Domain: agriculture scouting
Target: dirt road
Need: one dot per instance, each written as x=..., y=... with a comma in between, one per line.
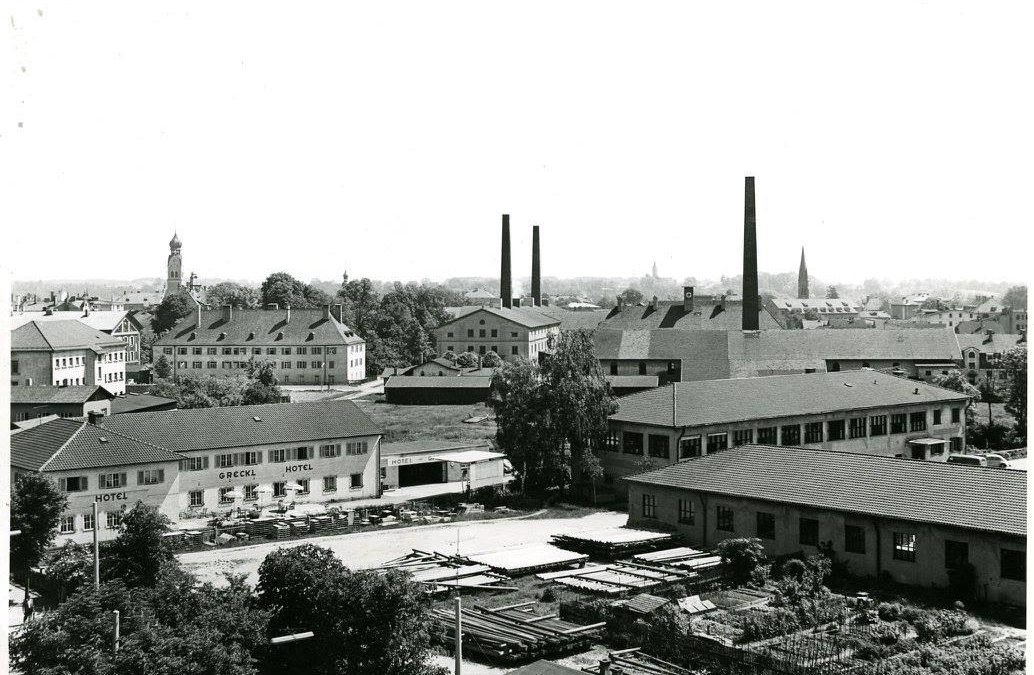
x=370, y=549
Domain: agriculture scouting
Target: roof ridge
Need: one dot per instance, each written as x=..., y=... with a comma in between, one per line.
x=82, y=425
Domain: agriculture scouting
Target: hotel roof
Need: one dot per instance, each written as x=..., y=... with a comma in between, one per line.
x=247, y=425
x=259, y=328
x=756, y=398
x=61, y=334
x=70, y=444
x=974, y=498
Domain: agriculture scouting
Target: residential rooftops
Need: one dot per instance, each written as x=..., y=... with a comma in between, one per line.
x=103, y=320
x=754, y=398
x=974, y=498
x=248, y=425
x=47, y=336
x=70, y=444
x=49, y=395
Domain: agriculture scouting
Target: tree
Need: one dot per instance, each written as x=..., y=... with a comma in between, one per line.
x=467, y=360
x=955, y=381
x=162, y=368
x=170, y=310
x=449, y=356
x=263, y=386
x=139, y=553
x=286, y=291
x=831, y=293
x=36, y=508
x=232, y=293
x=208, y=391
x=491, y=360
x=1015, y=297
x=516, y=398
x=740, y=557
x=1014, y=364
x=68, y=568
x=630, y=296
x=289, y=580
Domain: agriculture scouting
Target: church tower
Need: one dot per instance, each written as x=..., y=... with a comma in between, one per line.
x=174, y=277
x=802, y=279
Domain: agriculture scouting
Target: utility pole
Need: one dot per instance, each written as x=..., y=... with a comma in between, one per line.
x=96, y=551
x=459, y=637
x=118, y=626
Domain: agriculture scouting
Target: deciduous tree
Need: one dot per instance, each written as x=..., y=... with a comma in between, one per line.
x=36, y=508
x=140, y=551
x=232, y=293
x=170, y=310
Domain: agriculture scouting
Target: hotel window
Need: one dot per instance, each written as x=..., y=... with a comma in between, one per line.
x=956, y=415
x=224, y=461
x=224, y=495
x=905, y=546
x=658, y=446
x=856, y=428
x=315, y=365
x=250, y=458
x=808, y=535
x=1014, y=564
x=114, y=519
x=687, y=512
x=88, y=522
x=285, y=364
x=765, y=525
x=330, y=450
x=897, y=423
x=357, y=448
x=742, y=437
x=791, y=434
x=150, y=477
x=649, y=506
x=632, y=443
x=937, y=416
x=956, y=554
x=251, y=493
x=330, y=483
x=303, y=484
x=73, y=484
x=256, y=350
x=717, y=442
x=355, y=481
x=470, y=332
x=167, y=350
x=768, y=435
x=197, y=498
x=67, y=525
x=280, y=489
x=111, y=481
x=917, y=421
x=878, y=425
x=724, y=520
x=317, y=350
x=854, y=539
x=611, y=442
x=835, y=430
x=304, y=452
x=196, y=351
x=689, y=447
x=813, y=432
x=195, y=463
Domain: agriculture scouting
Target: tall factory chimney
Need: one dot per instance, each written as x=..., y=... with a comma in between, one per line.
x=505, y=287
x=750, y=258
x=536, y=269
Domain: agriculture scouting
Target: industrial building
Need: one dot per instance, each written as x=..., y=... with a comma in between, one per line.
x=470, y=464
x=914, y=522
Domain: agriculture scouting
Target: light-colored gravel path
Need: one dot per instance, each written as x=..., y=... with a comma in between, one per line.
x=369, y=549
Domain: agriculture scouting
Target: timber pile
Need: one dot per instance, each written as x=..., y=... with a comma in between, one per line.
x=613, y=541
x=514, y=633
x=616, y=578
x=635, y=662
x=438, y=573
x=703, y=563
x=528, y=559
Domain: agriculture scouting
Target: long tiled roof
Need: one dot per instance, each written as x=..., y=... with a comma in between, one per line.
x=74, y=394
x=131, y=403
x=61, y=334
x=671, y=314
x=996, y=344
x=975, y=498
x=69, y=444
x=434, y=382
x=429, y=445
x=248, y=425
x=102, y=320
x=703, y=354
x=260, y=327
x=754, y=398
x=529, y=317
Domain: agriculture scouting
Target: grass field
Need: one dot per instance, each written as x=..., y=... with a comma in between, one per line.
x=422, y=422
x=997, y=410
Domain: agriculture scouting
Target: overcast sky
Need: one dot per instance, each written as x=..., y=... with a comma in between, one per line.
x=892, y=140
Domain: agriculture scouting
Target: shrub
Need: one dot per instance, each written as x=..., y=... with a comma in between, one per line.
x=549, y=594
x=763, y=625
x=928, y=629
x=887, y=633
x=740, y=558
x=889, y=611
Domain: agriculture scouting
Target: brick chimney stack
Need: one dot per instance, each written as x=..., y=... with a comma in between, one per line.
x=505, y=287
x=750, y=258
x=536, y=270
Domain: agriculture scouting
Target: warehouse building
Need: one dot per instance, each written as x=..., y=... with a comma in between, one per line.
x=858, y=411
x=412, y=463
x=28, y=403
x=915, y=522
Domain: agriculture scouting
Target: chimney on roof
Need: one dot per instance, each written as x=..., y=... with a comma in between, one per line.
x=227, y=313
x=199, y=317
x=287, y=318
x=687, y=299
x=338, y=311
x=326, y=312
x=505, y=287
x=516, y=302
x=653, y=303
x=536, y=271
x=620, y=302
x=95, y=417
x=750, y=258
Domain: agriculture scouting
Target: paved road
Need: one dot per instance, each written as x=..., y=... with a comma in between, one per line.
x=372, y=548
x=1020, y=463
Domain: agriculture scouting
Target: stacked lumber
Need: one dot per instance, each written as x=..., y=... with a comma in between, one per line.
x=528, y=559
x=514, y=633
x=635, y=662
x=682, y=557
x=438, y=573
x=613, y=541
x=616, y=578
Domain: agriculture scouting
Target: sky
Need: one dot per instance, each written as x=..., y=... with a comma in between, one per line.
x=891, y=140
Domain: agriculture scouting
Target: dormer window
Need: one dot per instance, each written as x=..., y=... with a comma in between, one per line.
x=222, y=336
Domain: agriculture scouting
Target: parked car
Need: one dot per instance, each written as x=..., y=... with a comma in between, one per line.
x=991, y=460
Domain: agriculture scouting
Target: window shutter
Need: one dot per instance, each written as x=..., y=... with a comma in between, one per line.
x=61, y=484
x=85, y=483
x=271, y=456
x=205, y=463
x=100, y=480
x=139, y=477
x=124, y=482
x=161, y=475
x=258, y=457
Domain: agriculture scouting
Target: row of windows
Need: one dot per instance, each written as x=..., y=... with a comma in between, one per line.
x=514, y=350
x=231, y=365
x=111, y=481
x=956, y=553
x=244, y=351
x=250, y=493
x=67, y=524
x=276, y=456
x=482, y=333
x=814, y=432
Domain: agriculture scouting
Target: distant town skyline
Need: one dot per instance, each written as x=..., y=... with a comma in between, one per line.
x=894, y=149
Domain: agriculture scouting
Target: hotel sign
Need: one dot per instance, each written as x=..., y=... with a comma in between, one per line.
x=401, y=460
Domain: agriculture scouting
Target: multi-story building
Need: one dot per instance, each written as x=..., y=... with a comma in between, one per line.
x=856, y=411
x=66, y=353
x=982, y=354
x=508, y=331
x=116, y=323
x=306, y=346
x=791, y=312
x=693, y=312
x=30, y=403
x=914, y=522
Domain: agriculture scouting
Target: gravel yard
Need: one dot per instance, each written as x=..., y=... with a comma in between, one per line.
x=370, y=549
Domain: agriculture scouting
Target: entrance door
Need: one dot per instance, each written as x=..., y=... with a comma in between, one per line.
x=918, y=452
x=421, y=474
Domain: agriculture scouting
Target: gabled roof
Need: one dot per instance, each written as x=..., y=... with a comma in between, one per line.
x=247, y=425
x=757, y=398
x=430, y=382
x=997, y=343
x=523, y=316
x=259, y=328
x=571, y=319
x=131, y=403
x=709, y=313
x=102, y=320
x=974, y=498
x=701, y=354
x=60, y=334
x=70, y=444
x=44, y=395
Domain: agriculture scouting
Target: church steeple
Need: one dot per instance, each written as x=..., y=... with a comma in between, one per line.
x=174, y=267
x=802, y=279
